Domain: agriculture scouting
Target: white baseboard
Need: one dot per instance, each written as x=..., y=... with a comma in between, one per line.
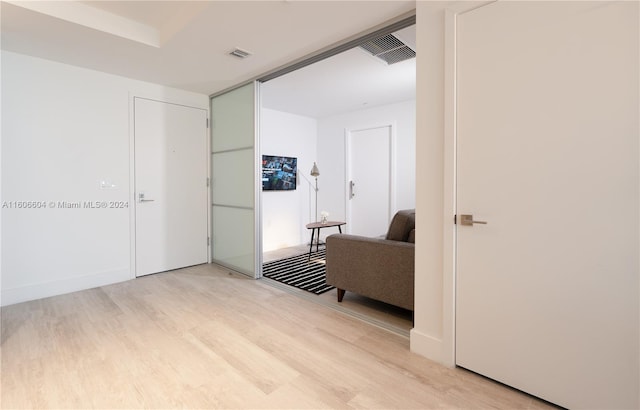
x=60, y=287
x=428, y=346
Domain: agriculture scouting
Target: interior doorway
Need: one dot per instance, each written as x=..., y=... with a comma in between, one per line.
x=307, y=115
x=351, y=91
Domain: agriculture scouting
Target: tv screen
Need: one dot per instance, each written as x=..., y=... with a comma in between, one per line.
x=279, y=173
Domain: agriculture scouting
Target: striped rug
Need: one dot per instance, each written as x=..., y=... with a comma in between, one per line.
x=298, y=271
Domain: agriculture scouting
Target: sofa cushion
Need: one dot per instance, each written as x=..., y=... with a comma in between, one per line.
x=401, y=225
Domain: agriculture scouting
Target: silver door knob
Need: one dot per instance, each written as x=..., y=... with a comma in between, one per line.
x=467, y=220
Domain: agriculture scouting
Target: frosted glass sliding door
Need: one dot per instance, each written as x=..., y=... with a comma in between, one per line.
x=234, y=160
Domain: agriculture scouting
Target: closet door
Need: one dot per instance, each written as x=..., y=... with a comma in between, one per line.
x=547, y=156
x=235, y=180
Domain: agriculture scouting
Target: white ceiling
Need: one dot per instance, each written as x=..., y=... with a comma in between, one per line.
x=346, y=82
x=185, y=44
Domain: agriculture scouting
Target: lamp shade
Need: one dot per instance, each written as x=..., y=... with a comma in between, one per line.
x=315, y=172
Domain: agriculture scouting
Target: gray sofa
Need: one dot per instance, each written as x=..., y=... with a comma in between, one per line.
x=381, y=269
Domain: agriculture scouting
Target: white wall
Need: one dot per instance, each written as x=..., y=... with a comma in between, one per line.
x=64, y=130
x=285, y=213
x=428, y=336
x=331, y=154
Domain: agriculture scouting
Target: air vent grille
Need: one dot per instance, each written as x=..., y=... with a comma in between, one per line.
x=397, y=55
x=240, y=53
x=389, y=49
x=382, y=44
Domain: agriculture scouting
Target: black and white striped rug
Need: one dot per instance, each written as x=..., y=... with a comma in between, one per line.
x=298, y=271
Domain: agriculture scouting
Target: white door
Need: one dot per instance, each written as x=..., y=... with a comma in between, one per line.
x=170, y=186
x=369, y=181
x=547, y=149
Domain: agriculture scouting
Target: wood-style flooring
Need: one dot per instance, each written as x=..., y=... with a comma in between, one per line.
x=202, y=337
x=381, y=314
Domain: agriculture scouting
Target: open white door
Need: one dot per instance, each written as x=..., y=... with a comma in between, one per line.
x=170, y=186
x=547, y=149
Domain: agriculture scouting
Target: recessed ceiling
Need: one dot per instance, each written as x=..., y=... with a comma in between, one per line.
x=163, y=16
x=186, y=44
x=158, y=14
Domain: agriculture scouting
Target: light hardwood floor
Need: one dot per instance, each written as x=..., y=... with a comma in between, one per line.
x=201, y=337
x=381, y=314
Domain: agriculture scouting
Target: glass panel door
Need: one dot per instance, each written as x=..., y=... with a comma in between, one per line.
x=235, y=180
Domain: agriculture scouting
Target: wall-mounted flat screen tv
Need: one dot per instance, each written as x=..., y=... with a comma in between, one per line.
x=279, y=173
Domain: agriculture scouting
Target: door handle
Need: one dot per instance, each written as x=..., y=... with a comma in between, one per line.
x=467, y=220
x=351, y=190
x=141, y=198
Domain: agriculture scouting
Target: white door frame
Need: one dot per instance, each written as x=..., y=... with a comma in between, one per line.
x=449, y=190
x=442, y=349
x=132, y=177
x=392, y=166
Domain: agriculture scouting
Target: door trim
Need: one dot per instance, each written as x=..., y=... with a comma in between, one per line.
x=447, y=351
x=392, y=166
x=450, y=188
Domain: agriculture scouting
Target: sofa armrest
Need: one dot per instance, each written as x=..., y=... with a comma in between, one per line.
x=377, y=268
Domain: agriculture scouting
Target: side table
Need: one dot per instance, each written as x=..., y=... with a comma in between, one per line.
x=319, y=225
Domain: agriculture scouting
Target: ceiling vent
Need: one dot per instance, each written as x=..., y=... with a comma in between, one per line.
x=389, y=49
x=240, y=53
